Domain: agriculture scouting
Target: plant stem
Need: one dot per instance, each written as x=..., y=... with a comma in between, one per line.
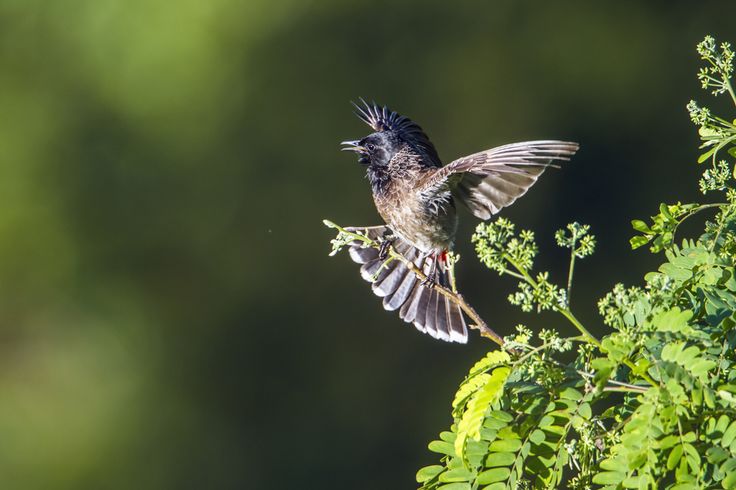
x=724, y=215
x=544, y=346
x=644, y=376
x=569, y=274
x=564, y=311
x=568, y=314
x=627, y=386
x=456, y=298
x=522, y=271
x=730, y=90
x=572, y=319
x=621, y=389
x=692, y=213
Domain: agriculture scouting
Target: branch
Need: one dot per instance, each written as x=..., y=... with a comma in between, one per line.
x=564, y=311
x=457, y=298
x=618, y=385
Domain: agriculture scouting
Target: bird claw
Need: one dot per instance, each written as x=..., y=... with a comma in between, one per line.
x=428, y=282
x=386, y=242
x=383, y=250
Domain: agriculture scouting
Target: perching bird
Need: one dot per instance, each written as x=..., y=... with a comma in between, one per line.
x=415, y=195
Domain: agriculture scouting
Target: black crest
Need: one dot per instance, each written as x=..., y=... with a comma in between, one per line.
x=384, y=119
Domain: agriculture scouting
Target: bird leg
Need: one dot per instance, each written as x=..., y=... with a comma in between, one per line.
x=431, y=278
x=386, y=240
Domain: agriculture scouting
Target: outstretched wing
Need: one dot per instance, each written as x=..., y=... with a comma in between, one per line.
x=492, y=179
x=384, y=119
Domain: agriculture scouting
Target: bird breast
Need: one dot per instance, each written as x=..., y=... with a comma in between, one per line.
x=426, y=219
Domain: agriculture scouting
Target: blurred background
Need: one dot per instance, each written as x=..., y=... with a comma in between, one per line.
x=169, y=317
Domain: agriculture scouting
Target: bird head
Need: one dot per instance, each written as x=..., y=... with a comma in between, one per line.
x=376, y=149
x=392, y=132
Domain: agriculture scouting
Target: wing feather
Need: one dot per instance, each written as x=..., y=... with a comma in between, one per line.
x=490, y=180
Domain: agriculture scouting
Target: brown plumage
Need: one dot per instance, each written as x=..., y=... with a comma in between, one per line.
x=415, y=195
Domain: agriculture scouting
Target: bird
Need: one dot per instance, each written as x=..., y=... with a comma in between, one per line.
x=416, y=195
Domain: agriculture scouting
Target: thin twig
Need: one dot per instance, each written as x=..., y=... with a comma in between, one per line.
x=457, y=298
x=564, y=311
x=693, y=212
x=571, y=268
x=621, y=386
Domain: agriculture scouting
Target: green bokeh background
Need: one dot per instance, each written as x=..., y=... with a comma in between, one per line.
x=169, y=317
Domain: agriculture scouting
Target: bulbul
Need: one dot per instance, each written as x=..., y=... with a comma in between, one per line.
x=416, y=196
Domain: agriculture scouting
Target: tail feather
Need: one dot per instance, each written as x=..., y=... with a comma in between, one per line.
x=371, y=270
x=387, y=285
x=440, y=318
x=429, y=311
x=430, y=316
x=409, y=310
x=456, y=322
x=399, y=297
x=362, y=255
x=404, y=291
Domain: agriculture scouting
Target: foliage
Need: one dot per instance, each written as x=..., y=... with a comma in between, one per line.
x=653, y=403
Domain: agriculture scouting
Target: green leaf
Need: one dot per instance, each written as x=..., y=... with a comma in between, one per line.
x=716, y=454
x=457, y=475
x=496, y=486
x=570, y=394
x=609, y=477
x=701, y=367
x=729, y=435
x=722, y=424
x=670, y=351
x=472, y=420
x=672, y=320
x=500, y=459
x=730, y=481
x=585, y=411
x=493, y=475
x=537, y=436
x=664, y=209
x=505, y=445
x=675, y=272
x=455, y=486
x=448, y=436
x=429, y=472
x=603, y=368
x=693, y=458
x=707, y=132
x=442, y=447
x=669, y=441
x=641, y=226
x=493, y=358
x=639, y=241
x=501, y=415
x=709, y=398
x=476, y=379
x=638, y=481
x=687, y=356
x=674, y=458
x=706, y=155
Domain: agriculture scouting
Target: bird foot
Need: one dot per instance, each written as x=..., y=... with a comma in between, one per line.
x=386, y=242
x=431, y=280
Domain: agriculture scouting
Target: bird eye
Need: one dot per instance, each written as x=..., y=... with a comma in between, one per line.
x=370, y=146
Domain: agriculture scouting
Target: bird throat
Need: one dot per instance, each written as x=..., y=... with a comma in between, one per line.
x=378, y=176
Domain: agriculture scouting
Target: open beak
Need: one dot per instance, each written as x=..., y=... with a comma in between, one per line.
x=352, y=146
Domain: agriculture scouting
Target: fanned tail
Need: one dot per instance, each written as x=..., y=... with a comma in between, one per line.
x=429, y=311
